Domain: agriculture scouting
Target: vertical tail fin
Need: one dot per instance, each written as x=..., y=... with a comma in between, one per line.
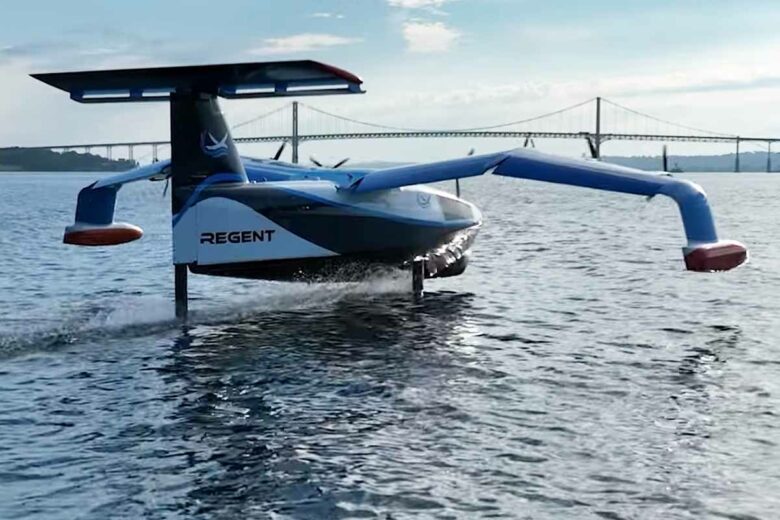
x=201, y=146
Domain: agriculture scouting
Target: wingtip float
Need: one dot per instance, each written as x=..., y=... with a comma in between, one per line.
x=112, y=234
x=717, y=256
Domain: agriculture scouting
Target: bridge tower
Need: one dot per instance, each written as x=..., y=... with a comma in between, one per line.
x=597, y=138
x=295, y=132
x=769, y=156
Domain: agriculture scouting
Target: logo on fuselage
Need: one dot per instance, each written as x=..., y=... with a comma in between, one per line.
x=237, y=237
x=424, y=199
x=215, y=148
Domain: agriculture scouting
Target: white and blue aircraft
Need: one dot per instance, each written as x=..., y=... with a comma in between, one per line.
x=267, y=219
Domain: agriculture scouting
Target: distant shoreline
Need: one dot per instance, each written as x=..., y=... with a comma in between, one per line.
x=41, y=160
x=748, y=162
x=32, y=160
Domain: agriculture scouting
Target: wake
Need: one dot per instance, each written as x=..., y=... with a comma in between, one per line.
x=131, y=316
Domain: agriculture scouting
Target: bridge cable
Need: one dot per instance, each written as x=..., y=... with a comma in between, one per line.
x=473, y=129
x=261, y=116
x=659, y=120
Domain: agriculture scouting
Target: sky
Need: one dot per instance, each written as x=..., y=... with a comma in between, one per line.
x=425, y=63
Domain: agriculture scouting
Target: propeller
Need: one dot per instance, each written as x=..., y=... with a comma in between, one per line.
x=665, y=159
x=164, y=175
x=279, y=151
x=337, y=165
x=592, y=146
x=457, y=181
x=664, y=166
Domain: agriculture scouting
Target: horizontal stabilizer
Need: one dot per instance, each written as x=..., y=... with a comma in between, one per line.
x=233, y=81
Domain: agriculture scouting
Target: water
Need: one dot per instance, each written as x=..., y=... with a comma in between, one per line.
x=574, y=371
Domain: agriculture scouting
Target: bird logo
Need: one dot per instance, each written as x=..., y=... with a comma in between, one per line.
x=424, y=199
x=217, y=148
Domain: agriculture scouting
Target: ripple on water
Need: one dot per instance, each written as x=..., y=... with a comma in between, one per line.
x=570, y=373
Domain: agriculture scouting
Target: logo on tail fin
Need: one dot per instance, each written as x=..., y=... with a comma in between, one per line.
x=216, y=148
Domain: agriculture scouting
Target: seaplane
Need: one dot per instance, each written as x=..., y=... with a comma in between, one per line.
x=262, y=218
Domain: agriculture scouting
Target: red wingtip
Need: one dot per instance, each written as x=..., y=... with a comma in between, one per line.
x=343, y=74
x=718, y=256
x=110, y=235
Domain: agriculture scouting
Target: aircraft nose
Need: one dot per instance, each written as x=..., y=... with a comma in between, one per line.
x=460, y=210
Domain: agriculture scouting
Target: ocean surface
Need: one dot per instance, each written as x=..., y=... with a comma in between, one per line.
x=574, y=371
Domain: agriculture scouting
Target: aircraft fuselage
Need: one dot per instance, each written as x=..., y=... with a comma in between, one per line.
x=311, y=230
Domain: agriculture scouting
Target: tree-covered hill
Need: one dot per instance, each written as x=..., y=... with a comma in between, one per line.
x=41, y=160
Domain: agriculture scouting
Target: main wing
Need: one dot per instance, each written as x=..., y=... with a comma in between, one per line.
x=704, y=251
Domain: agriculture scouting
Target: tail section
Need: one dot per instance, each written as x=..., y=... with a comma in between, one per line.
x=202, y=150
x=201, y=146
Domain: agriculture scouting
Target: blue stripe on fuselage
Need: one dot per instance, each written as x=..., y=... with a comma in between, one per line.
x=208, y=181
x=454, y=224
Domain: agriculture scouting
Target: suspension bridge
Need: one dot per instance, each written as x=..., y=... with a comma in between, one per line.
x=597, y=120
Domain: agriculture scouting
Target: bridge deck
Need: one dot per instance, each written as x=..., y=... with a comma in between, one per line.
x=439, y=134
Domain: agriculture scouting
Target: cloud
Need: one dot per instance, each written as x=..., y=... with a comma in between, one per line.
x=85, y=48
x=428, y=37
x=38, y=51
x=558, y=34
x=661, y=86
x=305, y=42
x=337, y=16
x=417, y=4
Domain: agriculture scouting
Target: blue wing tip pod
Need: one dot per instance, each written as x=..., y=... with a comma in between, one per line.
x=716, y=256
